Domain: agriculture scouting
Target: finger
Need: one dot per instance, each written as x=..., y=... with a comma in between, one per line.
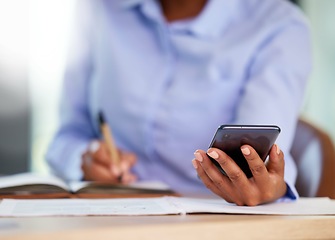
x=127, y=161
x=212, y=171
x=129, y=157
x=86, y=159
x=101, y=154
x=86, y=165
x=276, y=162
x=220, y=180
x=99, y=172
x=233, y=171
x=93, y=170
x=241, y=184
x=208, y=182
x=256, y=165
x=91, y=149
x=128, y=178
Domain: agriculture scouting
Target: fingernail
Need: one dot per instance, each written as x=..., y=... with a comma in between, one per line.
x=124, y=166
x=198, y=156
x=278, y=149
x=213, y=154
x=195, y=164
x=116, y=171
x=245, y=150
x=94, y=146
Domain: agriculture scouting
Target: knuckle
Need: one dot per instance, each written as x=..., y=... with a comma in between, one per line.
x=220, y=184
x=223, y=161
x=97, y=154
x=252, y=198
x=235, y=176
x=268, y=195
x=86, y=159
x=206, y=167
x=257, y=170
x=252, y=157
x=200, y=174
x=207, y=185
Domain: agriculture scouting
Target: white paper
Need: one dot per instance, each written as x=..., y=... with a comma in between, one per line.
x=85, y=207
x=157, y=206
x=302, y=206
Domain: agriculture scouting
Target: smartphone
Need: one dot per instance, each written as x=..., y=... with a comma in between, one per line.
x=230, y=138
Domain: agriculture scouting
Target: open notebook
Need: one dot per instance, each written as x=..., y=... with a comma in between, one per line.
x=32, y=185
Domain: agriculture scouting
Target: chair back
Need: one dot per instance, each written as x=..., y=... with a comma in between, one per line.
x=314, y=154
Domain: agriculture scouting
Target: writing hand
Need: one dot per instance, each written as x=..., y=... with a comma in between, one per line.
x=97, y=164
x=266, y=185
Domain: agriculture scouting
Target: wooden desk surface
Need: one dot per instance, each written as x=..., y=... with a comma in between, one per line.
x=175, y=227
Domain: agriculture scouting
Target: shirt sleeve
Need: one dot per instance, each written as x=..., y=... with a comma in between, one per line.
x=75, y=130
x=275, y=87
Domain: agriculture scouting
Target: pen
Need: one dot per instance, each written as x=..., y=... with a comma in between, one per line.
x=107, y=136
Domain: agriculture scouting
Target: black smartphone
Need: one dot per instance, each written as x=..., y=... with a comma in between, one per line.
x=229, y=138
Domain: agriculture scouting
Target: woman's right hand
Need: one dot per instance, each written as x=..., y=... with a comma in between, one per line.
x=97, y=165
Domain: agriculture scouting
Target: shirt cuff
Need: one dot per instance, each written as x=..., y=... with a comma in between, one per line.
x=291, y=194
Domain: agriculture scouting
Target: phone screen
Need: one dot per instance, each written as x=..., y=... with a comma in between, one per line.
x=229, y=138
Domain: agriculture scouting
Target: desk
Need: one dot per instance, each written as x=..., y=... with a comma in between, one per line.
x=175, y=227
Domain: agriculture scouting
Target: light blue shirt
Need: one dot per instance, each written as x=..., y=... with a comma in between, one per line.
x=165, y=87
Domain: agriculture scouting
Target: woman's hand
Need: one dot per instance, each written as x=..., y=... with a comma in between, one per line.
x=97, y=165
x=266, y=185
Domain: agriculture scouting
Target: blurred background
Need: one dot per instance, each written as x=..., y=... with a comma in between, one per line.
x=33, y=41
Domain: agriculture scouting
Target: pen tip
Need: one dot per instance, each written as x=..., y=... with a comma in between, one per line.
x=101, y=118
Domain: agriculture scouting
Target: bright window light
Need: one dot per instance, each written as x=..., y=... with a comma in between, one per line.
x=50, y=26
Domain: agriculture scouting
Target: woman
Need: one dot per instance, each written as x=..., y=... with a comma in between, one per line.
x=166, y=74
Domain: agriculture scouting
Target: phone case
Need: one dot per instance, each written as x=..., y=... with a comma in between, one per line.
x=229, y=138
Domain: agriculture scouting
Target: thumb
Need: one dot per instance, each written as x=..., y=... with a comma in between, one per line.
x=276, y=161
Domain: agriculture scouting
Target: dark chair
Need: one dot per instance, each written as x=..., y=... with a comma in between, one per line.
x=314, y=154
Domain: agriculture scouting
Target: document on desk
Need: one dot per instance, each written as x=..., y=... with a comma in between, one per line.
x=157, y=206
